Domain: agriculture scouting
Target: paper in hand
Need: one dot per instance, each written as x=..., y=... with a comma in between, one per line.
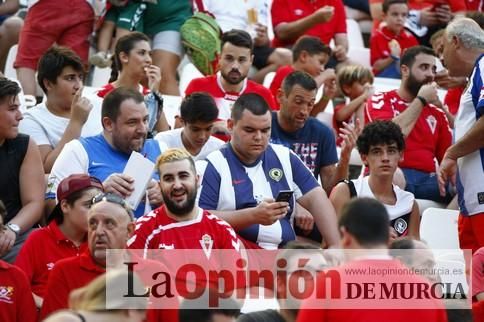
x=141, y=170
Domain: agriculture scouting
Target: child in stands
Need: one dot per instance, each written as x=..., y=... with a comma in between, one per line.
x=310, y=55
x=391, y=39
x=355, y=82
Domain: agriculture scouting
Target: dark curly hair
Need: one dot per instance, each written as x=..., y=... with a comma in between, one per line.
x=380, y=132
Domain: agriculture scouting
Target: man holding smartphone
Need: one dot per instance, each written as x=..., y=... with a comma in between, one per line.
x=242, y=179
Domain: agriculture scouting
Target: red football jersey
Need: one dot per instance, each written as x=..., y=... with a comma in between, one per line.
x=206, y=232
x=16, y=300
x=106, y=89
x=281, y=73
x=430, y=137
x=75, y=272
x=379, y=47
x=158, y=231
x=292, y=10
x=42, y=249
x=225, y=100
x=455, y=5
x=474, y=5
x=321, y=310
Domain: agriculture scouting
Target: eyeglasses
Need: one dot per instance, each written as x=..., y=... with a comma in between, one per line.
x=113, y=198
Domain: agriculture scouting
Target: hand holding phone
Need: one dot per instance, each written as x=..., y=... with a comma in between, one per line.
x=284, y=196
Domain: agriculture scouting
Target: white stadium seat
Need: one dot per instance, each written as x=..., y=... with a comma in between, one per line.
x=438, y=228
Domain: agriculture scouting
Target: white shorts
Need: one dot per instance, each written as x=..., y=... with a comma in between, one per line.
x=170, y=41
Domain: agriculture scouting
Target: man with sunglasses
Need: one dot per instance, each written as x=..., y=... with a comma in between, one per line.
x=110, y=224
x=104, y=156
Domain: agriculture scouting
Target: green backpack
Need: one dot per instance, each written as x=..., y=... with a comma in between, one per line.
x=201, y=38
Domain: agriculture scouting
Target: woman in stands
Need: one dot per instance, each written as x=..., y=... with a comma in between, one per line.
x=22, y=182
x=381, y=146
x=133, y=68
x=64, y=236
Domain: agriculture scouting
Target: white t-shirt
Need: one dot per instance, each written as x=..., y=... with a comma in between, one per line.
x=173, y=139
x=470, y=176
x=47, y=129
x=235, y=15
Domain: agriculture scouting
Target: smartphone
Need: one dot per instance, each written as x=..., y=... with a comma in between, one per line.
x=284, y=195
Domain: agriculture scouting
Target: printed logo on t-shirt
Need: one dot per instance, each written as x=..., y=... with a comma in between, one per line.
x=480, y=198
x=6, y=294
x=50, y=266
x=207, y=243
x=377, y=101
x=307, y=152
x=400, y=225
x=165, y=246
x=276, y=174
x=432, y=122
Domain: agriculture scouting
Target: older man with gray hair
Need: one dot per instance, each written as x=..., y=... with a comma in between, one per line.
x=463, y=56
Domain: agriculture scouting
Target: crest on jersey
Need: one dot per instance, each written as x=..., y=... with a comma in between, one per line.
x=6, y=293
x=400, y=225
x=207, y=243
x=276, y=174
x=432, y=122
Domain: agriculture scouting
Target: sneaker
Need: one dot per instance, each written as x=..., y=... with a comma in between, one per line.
x=101, y=59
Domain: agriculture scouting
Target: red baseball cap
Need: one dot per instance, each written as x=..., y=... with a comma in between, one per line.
x=70, y=185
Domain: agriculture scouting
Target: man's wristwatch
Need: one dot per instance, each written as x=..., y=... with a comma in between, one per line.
x=14, y=227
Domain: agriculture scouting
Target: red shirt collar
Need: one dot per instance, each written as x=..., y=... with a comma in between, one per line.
x=58, y=234
x=390, y=34
x=4, y=265
x=87, y=262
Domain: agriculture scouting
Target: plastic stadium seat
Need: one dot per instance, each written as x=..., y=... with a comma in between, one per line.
x=438, y=228
x=171, y=107
x=355, y=38
x=268, y=79
x=9, y=70
x=454, y=273
x=360, y=55
x=100, y=76
x=326, y=118
x=425, y=203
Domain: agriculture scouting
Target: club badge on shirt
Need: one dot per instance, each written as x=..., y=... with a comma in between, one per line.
x=207, y=243
x=432, y=122
x=6, y=293
x=276, y=174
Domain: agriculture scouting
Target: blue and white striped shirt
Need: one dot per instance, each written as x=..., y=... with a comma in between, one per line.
x=228, y=184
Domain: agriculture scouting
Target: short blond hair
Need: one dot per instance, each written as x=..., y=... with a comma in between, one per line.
x=350, y=74
x=173, y=155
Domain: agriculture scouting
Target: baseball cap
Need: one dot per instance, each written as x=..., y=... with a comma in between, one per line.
x=70, y=185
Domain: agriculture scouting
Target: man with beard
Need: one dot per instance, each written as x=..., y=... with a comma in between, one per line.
x=231, y=80
x=425, y=127
x=179, y=223
x=104, y=156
